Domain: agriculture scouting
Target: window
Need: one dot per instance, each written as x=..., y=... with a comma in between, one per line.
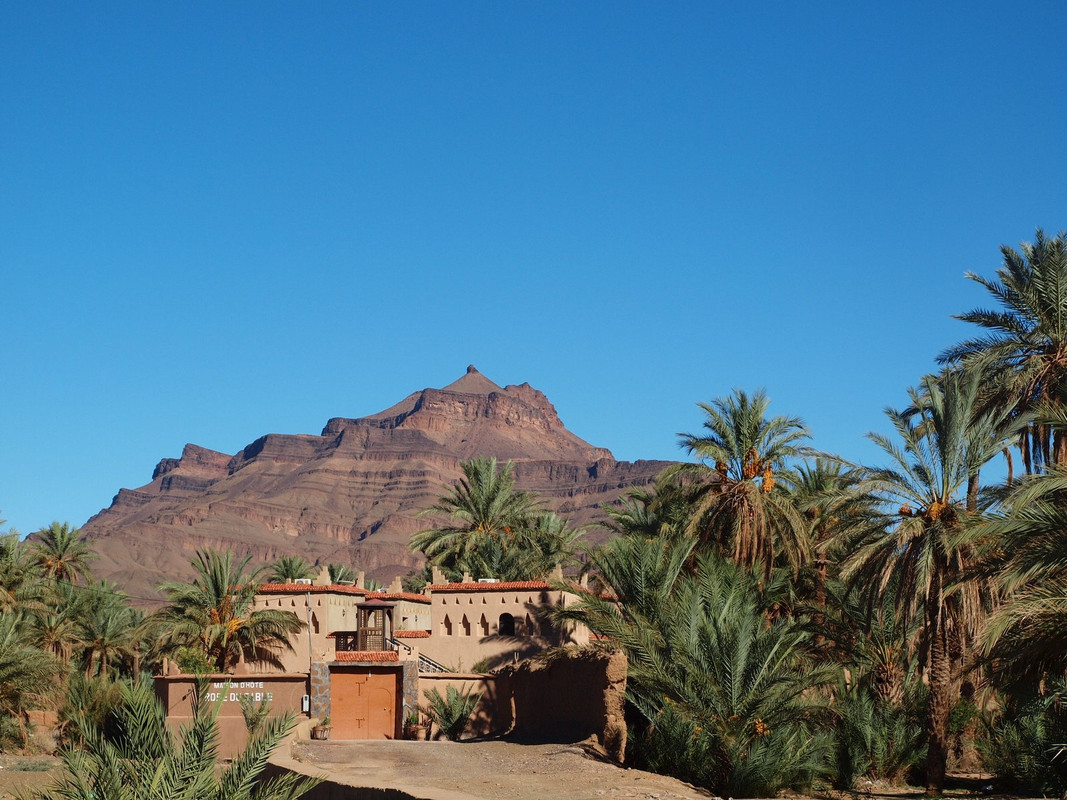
x=506, y=625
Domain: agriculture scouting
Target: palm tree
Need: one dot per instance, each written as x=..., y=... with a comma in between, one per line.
x=61, y=554
x=921, y=546
x=288, y=569
x=722, y=688
x=739, y=507
x=833, y=497
x=22, y=584
x=146, y=760
x=484, y=507
x=339, y=572
x=107, y=629
x=214, y=613
x=1025, y=342
x=1025, y=634
x=26, y=671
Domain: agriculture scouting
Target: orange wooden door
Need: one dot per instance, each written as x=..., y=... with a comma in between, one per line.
x=363, y=703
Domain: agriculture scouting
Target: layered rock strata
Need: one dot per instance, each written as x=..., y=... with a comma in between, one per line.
x=352, y=493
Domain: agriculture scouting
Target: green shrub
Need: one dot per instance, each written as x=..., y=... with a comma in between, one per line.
x=144, y=759
x=451, y=712
x=1024, y=744
x=874, y=739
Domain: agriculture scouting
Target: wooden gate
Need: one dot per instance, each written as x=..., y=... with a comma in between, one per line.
x=363, y=702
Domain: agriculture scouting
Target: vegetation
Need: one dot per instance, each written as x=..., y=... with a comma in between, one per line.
x=288, y=569
x=452, y=711
x=214, y=613
x=789, y=618
x=494, y=530
x=141, y=759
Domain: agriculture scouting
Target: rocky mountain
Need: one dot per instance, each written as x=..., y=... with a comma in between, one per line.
x=352, y=493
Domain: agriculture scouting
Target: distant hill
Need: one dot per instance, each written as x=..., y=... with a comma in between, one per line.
x=351, y=494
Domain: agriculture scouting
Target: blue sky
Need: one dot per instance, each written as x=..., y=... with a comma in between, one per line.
x=223, y=220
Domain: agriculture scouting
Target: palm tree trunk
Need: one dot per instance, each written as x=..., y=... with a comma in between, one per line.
x=973, y=483
x=1059, y=448
x=939, y=678
x=1024, y=450
x=1010, y=466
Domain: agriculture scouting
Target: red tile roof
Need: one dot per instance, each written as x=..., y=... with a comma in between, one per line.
x=366, y=656
x=415, y=598
x=303, y=588
x=501, y=586
x=411, y=634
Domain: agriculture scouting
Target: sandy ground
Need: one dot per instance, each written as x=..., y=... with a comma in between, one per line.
x=20, y=775
x=489, y=770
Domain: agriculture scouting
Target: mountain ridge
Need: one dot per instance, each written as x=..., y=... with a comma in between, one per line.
x=352, y=493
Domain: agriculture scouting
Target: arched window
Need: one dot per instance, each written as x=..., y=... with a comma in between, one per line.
x=315, y=623
x=531, y=628
x=506, y=625
x=483, y=626
x=466, y=623
x=446, y=626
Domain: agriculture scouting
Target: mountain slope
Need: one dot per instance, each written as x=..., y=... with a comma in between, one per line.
x=352, y=493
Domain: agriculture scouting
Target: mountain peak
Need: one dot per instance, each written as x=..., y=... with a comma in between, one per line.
x=473, y=382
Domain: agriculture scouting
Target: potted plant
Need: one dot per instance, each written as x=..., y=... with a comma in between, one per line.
x=413, y=727
x=322, y=730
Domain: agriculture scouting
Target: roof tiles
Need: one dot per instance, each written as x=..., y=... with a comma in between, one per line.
x=499, y=586
x=366, y=656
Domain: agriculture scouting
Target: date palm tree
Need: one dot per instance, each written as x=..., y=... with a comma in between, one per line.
x=290, y=568
x=1025, y=633
x=26, y=671
x=739, y=507
x=61, y=554
x=723, y=688
x=22, y=584
x=107, y=629
x=484, y=509
x=215, y=614
x=1024, y=342
x=921, y=546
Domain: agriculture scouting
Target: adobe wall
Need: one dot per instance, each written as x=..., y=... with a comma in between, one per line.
x=328, y=613
x=493, y=712
x=572, y=697
x=494, y=624
x=285, y=692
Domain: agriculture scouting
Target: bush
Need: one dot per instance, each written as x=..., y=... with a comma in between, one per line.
x=874, y=739
x=143, y=759
x=451, y=713
x=1024, y=743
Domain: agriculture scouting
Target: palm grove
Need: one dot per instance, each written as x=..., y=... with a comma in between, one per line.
x=789, y=618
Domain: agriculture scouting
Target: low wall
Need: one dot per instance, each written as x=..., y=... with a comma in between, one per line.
x=285, y=693
x=575, y=696
x=492, y=715
x=572, y=697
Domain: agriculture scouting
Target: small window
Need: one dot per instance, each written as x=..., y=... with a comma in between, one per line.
x=446, y=626
x=506, y=625
x=483, y=626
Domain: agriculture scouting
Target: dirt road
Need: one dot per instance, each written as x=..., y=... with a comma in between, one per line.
x=478, y=771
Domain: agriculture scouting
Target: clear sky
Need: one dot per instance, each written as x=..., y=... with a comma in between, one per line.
x=220, y=220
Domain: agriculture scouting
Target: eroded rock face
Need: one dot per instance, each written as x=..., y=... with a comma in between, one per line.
x=352, y=493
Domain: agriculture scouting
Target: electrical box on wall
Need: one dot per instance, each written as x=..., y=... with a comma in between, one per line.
x=305, y=704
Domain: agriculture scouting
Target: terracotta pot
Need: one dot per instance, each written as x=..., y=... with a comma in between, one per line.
x=320, y=732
